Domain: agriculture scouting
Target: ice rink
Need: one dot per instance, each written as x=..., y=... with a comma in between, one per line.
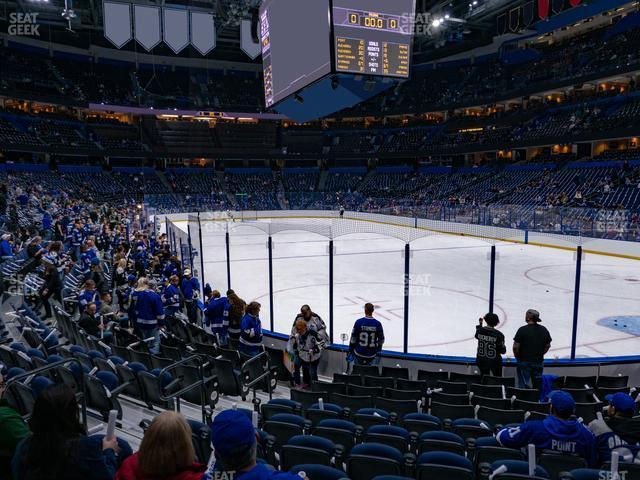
x=449, y=287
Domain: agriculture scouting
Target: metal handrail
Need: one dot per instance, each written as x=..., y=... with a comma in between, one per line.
x=200, y=361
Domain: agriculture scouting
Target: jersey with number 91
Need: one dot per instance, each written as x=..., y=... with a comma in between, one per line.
x=367, y=337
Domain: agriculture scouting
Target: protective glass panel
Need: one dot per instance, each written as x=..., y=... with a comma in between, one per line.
x=250, y=266
x=369, y=267
x=609, y=306
x=449, y=291
x=300, y=276
x=538, y=277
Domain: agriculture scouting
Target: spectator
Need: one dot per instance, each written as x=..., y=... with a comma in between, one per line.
x=217, y=315
x=530, y=344
x=172, y=297
x=367, y=338
x=307, y=346
x=166, y=452
x=190, y=290
x=58, y=447
x=13, y=430
x=88, y=295
x=6, y=250
x=490, y=346
x=558, y=432
x=93, y=324
x=234, y=310
x=619, y=432
x=315, y=324
x=251, y=331
x=148, y=313
x=235, y=444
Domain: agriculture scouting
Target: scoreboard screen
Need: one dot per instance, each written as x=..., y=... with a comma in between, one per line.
x=373, y=37
x=295, y=44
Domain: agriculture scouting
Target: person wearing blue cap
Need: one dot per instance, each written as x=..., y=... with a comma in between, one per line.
x=558, y=432
x=618, y=432
x=235, y=445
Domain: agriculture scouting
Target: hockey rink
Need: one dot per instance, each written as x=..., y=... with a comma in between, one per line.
x=449, y=287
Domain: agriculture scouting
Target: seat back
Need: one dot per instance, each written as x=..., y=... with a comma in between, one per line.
x=396, y=372
x=362, y=370
x=453, y=412
x=369, y=460
x=227, y=377
x=555, y=463
x=498, y=417
x=354, y=403
x=306, y=398
x=399, y=407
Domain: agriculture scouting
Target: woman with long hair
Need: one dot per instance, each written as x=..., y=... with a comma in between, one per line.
x=166, y=452
x=235, y=311
x=58, y=447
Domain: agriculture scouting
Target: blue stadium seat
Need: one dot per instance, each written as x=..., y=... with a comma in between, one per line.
x=368, y=460
x=443, y=466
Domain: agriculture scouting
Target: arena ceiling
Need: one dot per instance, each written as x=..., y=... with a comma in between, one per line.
x=470, y=23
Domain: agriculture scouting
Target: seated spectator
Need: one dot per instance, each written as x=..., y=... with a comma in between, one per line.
x=93, y=324
x=618, y=432
x=58, y=447
x=13, y=430
x=558, y=432
x=166, y=452
x=235, y=444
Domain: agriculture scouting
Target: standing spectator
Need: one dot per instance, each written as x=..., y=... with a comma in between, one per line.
x=235, y=445
x=149, y=314
x=313, y=323
x=618, y=432
x=251, y=331
x=172, y=297
x=490, y=346
x=88, y=295
x=190, y=289
x=166, y=452
x=217, y=315
x=307, y=346
x=234, y=311
x=13, y=430
x=530, y=344
x=558, y=432
x=58, y=447
x=367, y=338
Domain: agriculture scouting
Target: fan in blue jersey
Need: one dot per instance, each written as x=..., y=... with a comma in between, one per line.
x=251, y=331
x=172, y=297
x=88, y=295
x=149, y=314
x=558, y=432
x=217, y=317
x=367, y=338
x=190, y=289
x=620, y=431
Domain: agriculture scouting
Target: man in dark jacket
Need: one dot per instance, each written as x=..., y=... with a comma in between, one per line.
x=530, y=344
x=558, y=432
x=13, y=430
x=618, y=432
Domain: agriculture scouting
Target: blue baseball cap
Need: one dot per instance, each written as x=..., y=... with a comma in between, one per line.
x=622, y=402
x=95, y=261
x=562, y=402
x=131, y=278
x=232, y=433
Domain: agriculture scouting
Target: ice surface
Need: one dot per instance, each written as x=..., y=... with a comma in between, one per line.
x=449, y=287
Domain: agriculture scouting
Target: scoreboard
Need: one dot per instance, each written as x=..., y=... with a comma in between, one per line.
x=303, y=41
x=373, y=37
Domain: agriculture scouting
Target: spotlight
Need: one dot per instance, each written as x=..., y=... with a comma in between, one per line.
x=335, y=82
x=436, y=23
x=298, y=99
